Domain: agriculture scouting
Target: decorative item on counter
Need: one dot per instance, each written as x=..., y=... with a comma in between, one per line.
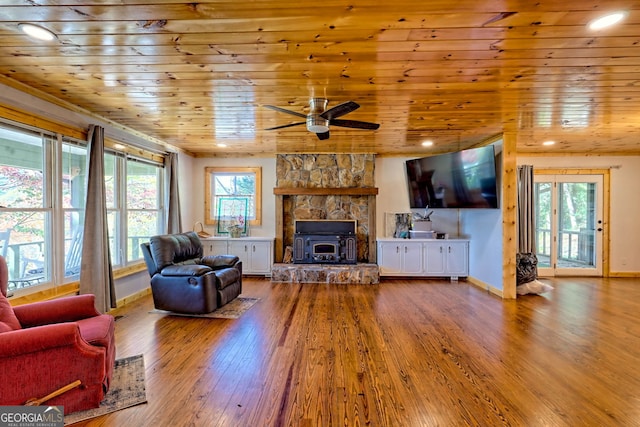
x=403, y=224
x=201, y=233
x=422, y=222
x=237, y=227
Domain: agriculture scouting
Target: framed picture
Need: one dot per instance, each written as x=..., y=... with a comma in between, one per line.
x=232, y=216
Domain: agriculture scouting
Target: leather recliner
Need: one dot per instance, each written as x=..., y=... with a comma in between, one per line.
x=183, y=281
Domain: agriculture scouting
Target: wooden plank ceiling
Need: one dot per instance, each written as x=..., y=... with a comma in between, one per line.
x=198, y=74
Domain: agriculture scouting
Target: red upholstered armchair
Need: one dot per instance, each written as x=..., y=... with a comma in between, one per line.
x=47, y=345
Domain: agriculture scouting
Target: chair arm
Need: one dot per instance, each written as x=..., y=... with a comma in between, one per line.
x=67, y=309
x=36, y=361
x=32, y=340
x=185, y=270
x=217, y=262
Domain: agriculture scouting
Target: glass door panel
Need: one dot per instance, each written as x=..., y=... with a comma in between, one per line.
x=568, y=224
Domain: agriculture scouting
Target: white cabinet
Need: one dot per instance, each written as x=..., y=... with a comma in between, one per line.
x=449, y=258
x=457, y=258
x=434, y=259
x=400, y=257
x=214, y=246
x=256, y=253
x=423, y=257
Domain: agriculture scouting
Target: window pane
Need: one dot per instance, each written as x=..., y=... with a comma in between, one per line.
x=543, y=222
x=235, y=184
x=24, y=225
x=25, y=247
x=114, y=248
x=142, y=186
x=72, y=243
x=141, y=225
x=144, y=218
x=21, y=169
x=74, y=164
x=110, y=175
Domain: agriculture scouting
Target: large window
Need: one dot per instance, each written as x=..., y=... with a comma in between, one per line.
x=42, y=205
x=25, y=205
x=226, y=182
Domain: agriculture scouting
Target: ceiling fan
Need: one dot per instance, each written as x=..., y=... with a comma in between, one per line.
x=319, y=119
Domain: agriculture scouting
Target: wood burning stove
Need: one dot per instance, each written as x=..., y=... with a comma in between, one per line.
x=325, y=242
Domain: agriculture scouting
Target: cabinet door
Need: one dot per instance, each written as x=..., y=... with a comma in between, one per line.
x=240, y=248
x=389, y=258
x=457, y=259
x=434, y=258
x=411, y=258
x=261, y=257
x=214, y=247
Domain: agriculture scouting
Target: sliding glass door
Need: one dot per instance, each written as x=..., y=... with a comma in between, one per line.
x=569, y=224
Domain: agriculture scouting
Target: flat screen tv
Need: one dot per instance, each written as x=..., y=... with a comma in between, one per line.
x=464, y=179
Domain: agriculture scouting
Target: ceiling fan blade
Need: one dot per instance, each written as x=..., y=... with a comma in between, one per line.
x=340, y=110
x=287, y=126
x=323, y=135
x=282, y=110
x=354, y=124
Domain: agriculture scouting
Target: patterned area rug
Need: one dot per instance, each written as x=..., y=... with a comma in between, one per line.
x=233, y=310
x=127, y=389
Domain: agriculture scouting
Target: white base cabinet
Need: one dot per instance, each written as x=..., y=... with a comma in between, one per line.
x=256, y=253
x=423, y=257
x=400, y=257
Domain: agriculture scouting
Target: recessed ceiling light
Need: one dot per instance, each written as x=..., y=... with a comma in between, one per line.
x=427, y=143
x=607, y=20
x=119, y=146
x=37, y=32
x=221, y=145
x=548, y=143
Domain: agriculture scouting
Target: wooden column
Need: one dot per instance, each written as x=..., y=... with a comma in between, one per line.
x=509, y=215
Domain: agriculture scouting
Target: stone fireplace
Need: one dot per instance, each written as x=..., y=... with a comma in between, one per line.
x=326, y=187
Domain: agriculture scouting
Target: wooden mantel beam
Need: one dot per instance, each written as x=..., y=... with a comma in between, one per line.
x=335, y=191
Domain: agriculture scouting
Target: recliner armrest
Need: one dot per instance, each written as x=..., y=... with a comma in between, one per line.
x=185, y=270
x=41, y=338
x=217, y=262
x=67, y=309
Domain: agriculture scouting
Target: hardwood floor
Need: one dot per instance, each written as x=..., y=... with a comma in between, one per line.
x=402, y=353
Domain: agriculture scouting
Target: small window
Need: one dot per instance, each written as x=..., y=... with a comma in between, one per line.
x=225, y=182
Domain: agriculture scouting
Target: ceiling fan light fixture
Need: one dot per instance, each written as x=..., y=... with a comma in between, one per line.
x=607, y=20
x=37, y=32
x=317, y=124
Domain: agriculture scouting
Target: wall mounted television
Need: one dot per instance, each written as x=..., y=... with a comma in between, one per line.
x=460, y=180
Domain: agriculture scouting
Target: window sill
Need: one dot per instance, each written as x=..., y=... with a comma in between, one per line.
x=71, y=288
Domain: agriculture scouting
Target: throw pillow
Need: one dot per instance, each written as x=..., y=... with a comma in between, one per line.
x=8, y=319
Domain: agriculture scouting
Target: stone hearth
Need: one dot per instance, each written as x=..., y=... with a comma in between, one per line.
x=364, y=274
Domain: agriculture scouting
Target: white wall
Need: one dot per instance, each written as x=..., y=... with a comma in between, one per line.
x=624, y=202
x=482, y=226
x=197, y=185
